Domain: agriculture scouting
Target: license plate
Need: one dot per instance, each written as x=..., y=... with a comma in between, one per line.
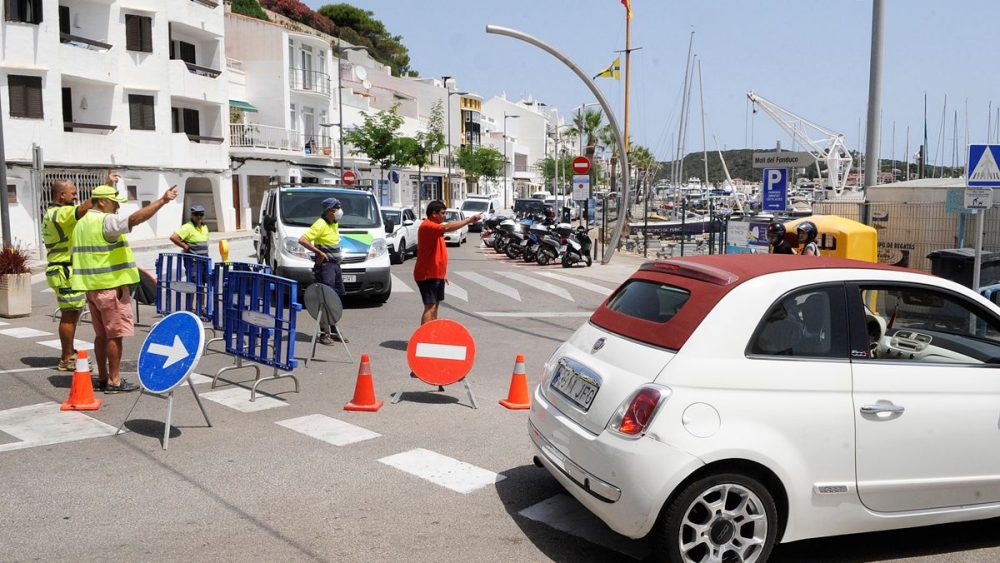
x=350, y=278
x=575, y=387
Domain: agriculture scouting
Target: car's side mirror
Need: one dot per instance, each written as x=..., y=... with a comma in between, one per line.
x=389, y=226
x=269, y=223
x=407, y=222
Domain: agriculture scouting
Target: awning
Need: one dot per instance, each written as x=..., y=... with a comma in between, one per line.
x=245, y=106
x=319, y=172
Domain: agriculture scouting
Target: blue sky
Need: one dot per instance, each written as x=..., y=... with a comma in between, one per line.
x=809, y=56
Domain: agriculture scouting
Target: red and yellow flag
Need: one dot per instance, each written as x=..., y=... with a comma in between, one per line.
x=628, y=7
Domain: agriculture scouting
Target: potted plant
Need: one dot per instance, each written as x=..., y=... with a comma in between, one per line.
x=15, y=282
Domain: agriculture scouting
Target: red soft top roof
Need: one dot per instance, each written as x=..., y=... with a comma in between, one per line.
x=708, y=279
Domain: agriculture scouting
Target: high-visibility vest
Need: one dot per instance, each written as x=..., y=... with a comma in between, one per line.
x=98, y=264
x=195, y=237
x=56, y=236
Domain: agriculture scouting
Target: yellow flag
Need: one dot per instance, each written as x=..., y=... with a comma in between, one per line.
x=613, y=70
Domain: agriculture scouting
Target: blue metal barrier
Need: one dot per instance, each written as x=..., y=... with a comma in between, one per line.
x=184, y=283
x=259, y=323
x=991, y=292
x=220, y=284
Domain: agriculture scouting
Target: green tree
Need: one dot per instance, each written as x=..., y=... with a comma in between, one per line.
x=479, y=162
x=550, y=164
x=249, y=8
x=359, y=27
x=376, y=138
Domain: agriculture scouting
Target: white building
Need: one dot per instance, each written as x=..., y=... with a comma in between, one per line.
x=138, y=85
x=528, y=123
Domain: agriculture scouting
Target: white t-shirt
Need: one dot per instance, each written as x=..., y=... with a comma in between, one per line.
x=115, y=226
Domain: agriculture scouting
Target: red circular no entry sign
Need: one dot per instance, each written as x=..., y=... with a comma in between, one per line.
x=581, y=165
x=441, y=352
x=350, y=177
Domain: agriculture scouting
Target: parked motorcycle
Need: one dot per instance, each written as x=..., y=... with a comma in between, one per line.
x=536, y=232
x=578, y=247
x=552, y=246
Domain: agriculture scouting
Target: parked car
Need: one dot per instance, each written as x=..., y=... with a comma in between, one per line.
x=722, y=404
x=402, y=237
x=287, y=212
x=486, y=206
x=459, y=236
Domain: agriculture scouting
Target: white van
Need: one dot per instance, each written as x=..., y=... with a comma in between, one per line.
x=286, y=214
x=483, y=205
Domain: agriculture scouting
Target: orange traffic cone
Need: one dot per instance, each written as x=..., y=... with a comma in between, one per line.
x=81, y=392
x=517, y=397
x=364, y=390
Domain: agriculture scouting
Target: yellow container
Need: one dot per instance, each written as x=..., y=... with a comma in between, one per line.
x=841, y=237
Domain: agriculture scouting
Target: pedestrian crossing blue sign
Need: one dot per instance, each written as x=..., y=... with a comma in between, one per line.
x=983, y=169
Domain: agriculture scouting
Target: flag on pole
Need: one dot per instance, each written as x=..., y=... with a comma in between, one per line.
x=613, y=70
x=628, y=7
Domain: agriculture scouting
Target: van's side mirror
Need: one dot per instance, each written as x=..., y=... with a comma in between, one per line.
x=389, y=226
x=407, y=222
x=269, y=223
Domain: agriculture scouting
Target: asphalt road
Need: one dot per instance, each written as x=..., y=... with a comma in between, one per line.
x=427, y=479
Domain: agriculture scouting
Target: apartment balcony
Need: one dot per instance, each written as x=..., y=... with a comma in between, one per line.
x=206, y=15
x=196, y=82
x=310, y=82
x=251, y=138
x=199, y=151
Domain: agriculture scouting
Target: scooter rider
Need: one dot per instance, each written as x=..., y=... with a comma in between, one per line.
x=776, y=237
x=807, y=236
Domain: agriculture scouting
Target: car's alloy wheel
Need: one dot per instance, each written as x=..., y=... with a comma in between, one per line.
x=727, y=518
x=401, y=253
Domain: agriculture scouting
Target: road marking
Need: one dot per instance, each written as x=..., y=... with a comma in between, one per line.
x=539, y=284
x=441, y=351
x=579, y=283
x=44, y=424
x=77, y=344
x=24, y=369
x=566, y=514
x=329, y=430
x=491, y=284
x=537, y=315
x=398, y=286
x=453, y=290
x=24, y=332
x=239, y=398
x=442, y=470
x=197, y=379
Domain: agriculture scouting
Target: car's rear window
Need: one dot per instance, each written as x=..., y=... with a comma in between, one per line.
x=649, y=301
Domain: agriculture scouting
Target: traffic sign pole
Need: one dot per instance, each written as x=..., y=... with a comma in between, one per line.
x=982, y=172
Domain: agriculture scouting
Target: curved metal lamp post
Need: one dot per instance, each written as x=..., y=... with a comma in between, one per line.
x=623, y=210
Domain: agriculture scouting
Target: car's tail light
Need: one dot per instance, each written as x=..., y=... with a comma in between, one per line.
x=636, y=412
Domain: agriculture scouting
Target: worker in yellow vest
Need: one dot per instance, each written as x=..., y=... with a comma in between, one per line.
x=192, y=237
x=57, y=229
x=104, y=267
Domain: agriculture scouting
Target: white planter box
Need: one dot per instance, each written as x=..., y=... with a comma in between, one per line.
x=15, y=295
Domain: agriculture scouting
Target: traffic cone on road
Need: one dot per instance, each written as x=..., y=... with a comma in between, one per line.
x=81, y=392
x=364, y=389
x=517, y=397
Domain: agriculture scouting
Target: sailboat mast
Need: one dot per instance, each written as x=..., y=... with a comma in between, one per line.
x=628, y=55
x=676, y=168
x=704, y=142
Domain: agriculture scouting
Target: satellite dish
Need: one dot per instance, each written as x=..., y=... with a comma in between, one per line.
x=360, y=73
x=367, y=84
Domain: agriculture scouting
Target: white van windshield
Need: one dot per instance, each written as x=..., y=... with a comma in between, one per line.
x=475, y=205
x=301, y=208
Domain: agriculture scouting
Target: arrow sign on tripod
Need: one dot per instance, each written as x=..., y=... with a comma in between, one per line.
x=174, y=353
x=170, y=352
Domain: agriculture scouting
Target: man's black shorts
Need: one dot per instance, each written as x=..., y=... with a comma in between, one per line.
x=431, y=291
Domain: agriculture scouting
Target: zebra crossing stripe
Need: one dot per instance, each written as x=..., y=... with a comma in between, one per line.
x=453, y=290
x=539, y=284
x=579, y=283
x=442, y=470
x=398, y=286
x=329, y=430
x=491, y=284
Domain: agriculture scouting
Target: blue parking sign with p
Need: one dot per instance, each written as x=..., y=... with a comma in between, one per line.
x=774, y=196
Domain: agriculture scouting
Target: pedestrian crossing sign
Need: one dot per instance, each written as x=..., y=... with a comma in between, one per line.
x=984, y=171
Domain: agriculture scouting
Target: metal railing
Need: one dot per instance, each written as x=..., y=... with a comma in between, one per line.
x=251, y=135
x=72, y=126
x=83, y=42
x=202, y=70
x=234, y=64
x=309, y=81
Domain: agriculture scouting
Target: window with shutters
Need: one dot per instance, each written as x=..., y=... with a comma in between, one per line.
x=24, y=11
x=25, y=94
x=140, y=111
x=138, y=33
x=184, y=51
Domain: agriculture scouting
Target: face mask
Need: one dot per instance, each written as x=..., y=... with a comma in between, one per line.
x=338, y=214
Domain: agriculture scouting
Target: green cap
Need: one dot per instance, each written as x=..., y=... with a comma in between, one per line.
x=107, y=192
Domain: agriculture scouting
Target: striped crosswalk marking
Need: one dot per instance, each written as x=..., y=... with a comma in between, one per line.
x=453, y=290
x=398, y=286
x=442, y=470
x=491, y=284
x=44, y=424
x=239, y=398
x=579, y=283
x=329, y=430
x=539, y=285
x=77, y=344
x=24, y=332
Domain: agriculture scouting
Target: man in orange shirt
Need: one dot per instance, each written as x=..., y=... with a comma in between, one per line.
x=431, y=270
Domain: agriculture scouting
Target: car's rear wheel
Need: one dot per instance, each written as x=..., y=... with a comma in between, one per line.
x=401, y=252
x=726, y=517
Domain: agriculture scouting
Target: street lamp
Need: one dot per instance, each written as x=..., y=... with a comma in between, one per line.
x=590, y=192
x=506, y=116
x=340, y=100
x=450, y=94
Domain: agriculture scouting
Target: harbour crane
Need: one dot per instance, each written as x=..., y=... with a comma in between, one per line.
x=827, y=147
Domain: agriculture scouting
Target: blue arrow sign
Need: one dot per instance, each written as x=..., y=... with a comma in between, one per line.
x=984, y=171
x=170, y=352
x=774, y=193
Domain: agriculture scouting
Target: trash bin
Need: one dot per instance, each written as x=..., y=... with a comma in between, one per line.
x=956, y=264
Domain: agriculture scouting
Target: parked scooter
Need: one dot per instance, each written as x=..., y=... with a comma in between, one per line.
x=578, y=247
x=504, y=230
x=551, y=246
x=536, y=232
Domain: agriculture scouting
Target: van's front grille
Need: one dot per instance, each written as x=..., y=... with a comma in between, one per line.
x=353, y=259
